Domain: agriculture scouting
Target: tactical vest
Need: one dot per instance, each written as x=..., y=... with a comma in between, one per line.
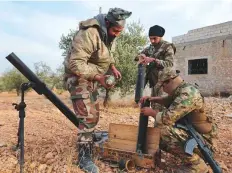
x=200, y=121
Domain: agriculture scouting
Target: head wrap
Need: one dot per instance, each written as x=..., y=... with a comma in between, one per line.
x=118, y=16
x=156, y=31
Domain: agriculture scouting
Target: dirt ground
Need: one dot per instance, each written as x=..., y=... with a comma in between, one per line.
x=50, y=137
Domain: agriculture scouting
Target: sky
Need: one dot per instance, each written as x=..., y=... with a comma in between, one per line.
x=32, y=29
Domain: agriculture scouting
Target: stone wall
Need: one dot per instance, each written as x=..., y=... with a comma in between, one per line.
x=213, y=43
x=222, y=29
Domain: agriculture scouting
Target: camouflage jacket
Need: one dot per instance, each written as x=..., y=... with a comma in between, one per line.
x=184, y=100
x=89, y=53
x=187, y=101
x=164, y=54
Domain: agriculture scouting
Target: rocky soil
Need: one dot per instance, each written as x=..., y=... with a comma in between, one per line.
x=50, y=137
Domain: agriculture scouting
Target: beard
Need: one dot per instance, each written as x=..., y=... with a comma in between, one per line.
x=155, y=44
x=111, y=38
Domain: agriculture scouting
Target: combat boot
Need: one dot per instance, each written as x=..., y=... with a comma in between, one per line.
x=85, y=158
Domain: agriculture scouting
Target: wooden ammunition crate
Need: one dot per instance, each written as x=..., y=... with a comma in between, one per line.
x=121, y=144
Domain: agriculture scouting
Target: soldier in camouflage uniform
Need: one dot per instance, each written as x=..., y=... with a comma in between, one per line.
x=88, y=60
x=183, y=100
x=159, y=55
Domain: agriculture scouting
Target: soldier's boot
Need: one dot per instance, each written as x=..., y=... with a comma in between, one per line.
x=85, y=158
x=198, y=166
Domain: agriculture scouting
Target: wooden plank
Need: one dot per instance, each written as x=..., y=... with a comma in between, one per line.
x=125, y=145
x=130, y=132
x=122, y=145
x=124, y=137
x=146, y=161
x=122, y=131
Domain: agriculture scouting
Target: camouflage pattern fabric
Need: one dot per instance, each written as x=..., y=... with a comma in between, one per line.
x=173, y=141
x=86, y=106
x=88, y=55
x=166, y=74
x=157, y=91
x=164, y=54
x=185, y=99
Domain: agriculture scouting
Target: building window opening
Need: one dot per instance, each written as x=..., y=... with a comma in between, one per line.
x=198, y=66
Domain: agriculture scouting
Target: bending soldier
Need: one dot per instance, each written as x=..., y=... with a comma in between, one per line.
x=183, y=100
x=86, y=64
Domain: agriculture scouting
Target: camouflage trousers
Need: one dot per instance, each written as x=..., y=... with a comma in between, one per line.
x=173, y=141
x=157, y=91
x=84, y=96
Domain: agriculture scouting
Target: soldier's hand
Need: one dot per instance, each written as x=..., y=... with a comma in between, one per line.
x=148, y=60
x=154, y=99
x=141, y=58
x=146, y=111
x=116, y=73
x=144, y=98
x=101, y=79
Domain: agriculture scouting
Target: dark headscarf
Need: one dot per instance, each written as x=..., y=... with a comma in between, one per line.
x=156, y=31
